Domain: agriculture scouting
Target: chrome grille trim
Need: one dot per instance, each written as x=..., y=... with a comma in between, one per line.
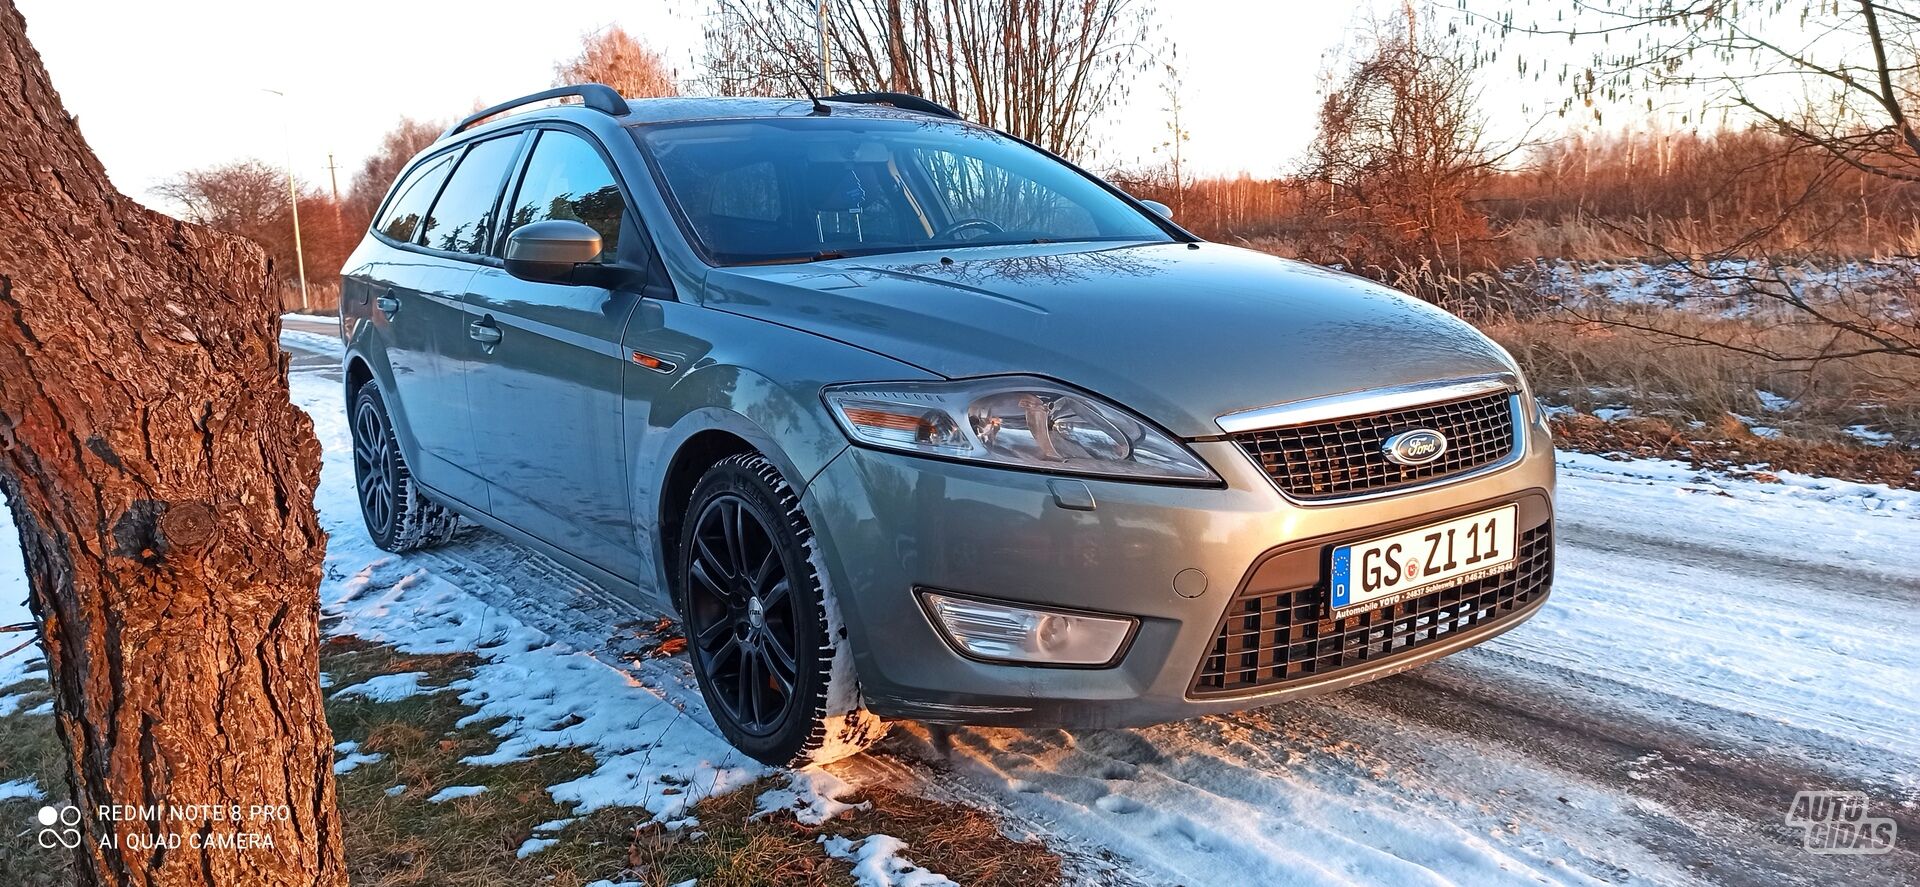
x=1358, y=403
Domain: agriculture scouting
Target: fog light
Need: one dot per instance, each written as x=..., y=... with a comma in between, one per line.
x=1006, y=633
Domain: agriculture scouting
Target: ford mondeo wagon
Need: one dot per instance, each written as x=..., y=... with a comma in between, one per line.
x=906, y=418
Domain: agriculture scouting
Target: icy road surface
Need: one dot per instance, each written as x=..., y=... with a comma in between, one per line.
x=1712, y=647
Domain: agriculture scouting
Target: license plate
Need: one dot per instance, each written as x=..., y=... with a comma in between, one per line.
x=1385, y=571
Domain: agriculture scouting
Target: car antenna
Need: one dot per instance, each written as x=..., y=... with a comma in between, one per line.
x=819, y=107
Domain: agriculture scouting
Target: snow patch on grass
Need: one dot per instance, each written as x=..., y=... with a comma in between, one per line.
x=812, y=796
x=1774, y=403
x=1869, y=436
x=20, y=788
x=534, y=845
x=353, y=761
x=878, y=861
x=387, y=687
x=455, y=792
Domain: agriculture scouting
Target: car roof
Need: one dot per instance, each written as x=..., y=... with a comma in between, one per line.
x=682, y=109
x=685, y=108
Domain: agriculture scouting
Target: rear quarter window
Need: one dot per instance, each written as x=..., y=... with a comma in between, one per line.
x=412, y=196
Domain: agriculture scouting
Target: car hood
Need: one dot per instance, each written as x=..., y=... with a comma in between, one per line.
x=1179, y=334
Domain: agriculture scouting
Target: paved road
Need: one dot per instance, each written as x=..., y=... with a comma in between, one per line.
x=1712, y=648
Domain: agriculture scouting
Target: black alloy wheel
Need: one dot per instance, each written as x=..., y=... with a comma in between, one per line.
x=741, y=616
x=373, y=468
x=398, y=517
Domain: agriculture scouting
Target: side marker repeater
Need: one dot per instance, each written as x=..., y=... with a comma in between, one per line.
x=658, y=365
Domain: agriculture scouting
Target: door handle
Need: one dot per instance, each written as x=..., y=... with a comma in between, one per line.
x=388, y=305
x=484, y=332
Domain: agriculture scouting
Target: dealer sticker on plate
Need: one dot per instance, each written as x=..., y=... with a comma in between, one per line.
x=1385, y=571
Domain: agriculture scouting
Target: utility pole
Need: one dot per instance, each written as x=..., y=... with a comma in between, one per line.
x=826, y=54
x=333, y=177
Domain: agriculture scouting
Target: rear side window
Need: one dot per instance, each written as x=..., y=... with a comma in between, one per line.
x=411, y=198
x=462, y=219
x=567, y=179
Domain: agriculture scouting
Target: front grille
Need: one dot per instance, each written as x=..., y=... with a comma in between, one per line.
x=1347, y=457
x=1270, y=639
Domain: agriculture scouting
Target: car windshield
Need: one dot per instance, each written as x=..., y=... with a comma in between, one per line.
x=796, y=189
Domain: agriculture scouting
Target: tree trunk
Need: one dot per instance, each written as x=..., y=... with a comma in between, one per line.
x=163, y=487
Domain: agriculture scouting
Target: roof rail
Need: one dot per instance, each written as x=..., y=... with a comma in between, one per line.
x=598, y=96
x=900, y=100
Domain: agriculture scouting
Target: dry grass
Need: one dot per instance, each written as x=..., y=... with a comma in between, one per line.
x=1729, y=447
x=29, y=748
x=1592, y=365
x=1590, y=240
x=403, y=840
x=962, y=843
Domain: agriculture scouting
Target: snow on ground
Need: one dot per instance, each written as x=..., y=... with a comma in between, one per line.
x=813, y=796
x=1713, y=645
x=1869, y=436
x=22, y=663
x=311, y=340
x=549, y=694
x=455, y=792
x=1723, y=287
x=879, y=861
x=387, y=687
x=1744, y=615
x=19, y=788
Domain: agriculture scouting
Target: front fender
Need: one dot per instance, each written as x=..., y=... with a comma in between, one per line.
x=785, y=421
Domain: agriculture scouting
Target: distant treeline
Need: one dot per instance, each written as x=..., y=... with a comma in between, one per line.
x=1619, y=196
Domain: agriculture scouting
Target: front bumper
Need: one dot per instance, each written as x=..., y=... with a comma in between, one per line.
x=888, y=523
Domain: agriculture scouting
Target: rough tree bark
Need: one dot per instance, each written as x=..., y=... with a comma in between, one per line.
x=163, y=486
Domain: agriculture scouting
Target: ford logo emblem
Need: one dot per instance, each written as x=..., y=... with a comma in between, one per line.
x=1416, y=447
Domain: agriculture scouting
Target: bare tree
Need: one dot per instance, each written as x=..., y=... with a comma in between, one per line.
x=163, y=488
x=377, y=172
x=1172, y=84
x=239, y=198
x=1042, y=70
x=1399, y=152
x=614, y=57
x=249, y=198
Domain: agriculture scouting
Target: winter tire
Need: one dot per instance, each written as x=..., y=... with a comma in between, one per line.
x=762, y=629
x=397, y=516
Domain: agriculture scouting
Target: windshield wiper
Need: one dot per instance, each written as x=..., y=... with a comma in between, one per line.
x=799, y=260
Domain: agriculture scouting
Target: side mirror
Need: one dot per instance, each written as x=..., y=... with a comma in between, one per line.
x=1165, y=211
x=550, y=252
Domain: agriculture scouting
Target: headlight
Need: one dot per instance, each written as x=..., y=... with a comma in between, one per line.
x=1017, y=421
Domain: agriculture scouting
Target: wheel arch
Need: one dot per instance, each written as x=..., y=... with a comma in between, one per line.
x=359, y=373
x=695, y=457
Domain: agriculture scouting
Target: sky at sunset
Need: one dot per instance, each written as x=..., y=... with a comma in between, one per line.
x=162, y=87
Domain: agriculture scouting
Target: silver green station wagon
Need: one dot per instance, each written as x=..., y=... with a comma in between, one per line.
x=907, y=418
